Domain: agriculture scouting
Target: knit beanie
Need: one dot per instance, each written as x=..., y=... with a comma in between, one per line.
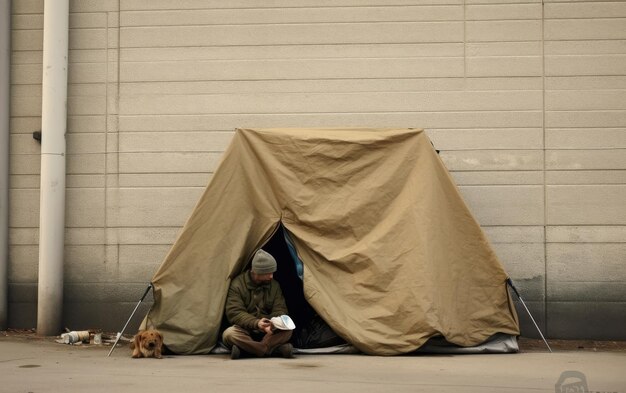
x=263, y=263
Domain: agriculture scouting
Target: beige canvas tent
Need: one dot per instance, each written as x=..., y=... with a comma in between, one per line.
x=391, y=255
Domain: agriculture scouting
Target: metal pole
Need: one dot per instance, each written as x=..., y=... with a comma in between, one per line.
x=510, y=282
x=117, y=339
x=5, y=116
x=52, y=204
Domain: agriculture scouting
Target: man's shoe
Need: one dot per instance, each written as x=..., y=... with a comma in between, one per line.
x=285, y=350
x=235, y=353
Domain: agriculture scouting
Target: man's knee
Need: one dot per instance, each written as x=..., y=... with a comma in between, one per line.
x=234, y=334
x=228, y=335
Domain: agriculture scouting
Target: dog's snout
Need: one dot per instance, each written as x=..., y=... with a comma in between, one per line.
x=151, y=345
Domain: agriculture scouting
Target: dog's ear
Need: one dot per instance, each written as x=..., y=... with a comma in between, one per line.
x=159, y=346
x=136, y=345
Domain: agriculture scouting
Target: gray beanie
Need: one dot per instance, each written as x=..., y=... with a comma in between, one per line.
x=263, y=263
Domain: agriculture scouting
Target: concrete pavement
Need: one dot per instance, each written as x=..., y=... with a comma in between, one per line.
x=40, y=365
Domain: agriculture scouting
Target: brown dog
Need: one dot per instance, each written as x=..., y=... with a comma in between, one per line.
x=147, y=343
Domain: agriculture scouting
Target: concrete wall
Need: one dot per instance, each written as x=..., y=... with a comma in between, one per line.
x=525, y=100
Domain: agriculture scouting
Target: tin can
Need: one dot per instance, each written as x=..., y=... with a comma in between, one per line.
x=97, y=338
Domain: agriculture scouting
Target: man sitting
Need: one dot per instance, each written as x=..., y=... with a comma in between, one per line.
x=253, y=297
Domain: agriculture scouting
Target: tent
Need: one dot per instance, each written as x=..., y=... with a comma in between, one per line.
x=390, y=256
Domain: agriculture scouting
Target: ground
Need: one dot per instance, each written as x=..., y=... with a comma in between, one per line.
x=525, y=344
x=34, y=364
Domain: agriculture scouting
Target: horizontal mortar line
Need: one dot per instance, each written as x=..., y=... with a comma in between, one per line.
x=579, y=55
x=584, y=242
x=123, y=174
x=128, y=84
x=107, y=283
x=578, y=128
x=493, y=170
x=269, y=45
x=585, y=170
x=312, y=114
x=232, y=130
x=589, y=186
x=525, y=111
x=330, y=22
x=308, y=113
x=549, y=40
x=381, y=79
x=443, y=149
x=297, y=45
x=302, y=44
x=502, y=184
x=575, y=40
x=98, y=244
x=586, y=110
x=138, y=187
x=585, y=148
x=585, y=54
x=542, y=184
x=289, y=59
x=551, y=296
x=304, y=7
x=590, y=18
x=338, y=59
x=330, y=90
x=298, y=59
x=39, y=28
x=584, y=76
x=158, y=173
x=94, y=12
x=540, y=226
x=304, y=23
x=203, y=184
x=554, y=184
x=326, y=93
x=569, y=2
x=103, y=229
x=128, y=27
x=127, y=187
x=70, y=154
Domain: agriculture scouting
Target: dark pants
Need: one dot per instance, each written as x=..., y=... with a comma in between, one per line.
x=253, y=343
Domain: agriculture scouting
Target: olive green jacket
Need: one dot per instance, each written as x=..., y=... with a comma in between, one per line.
x=248, y=302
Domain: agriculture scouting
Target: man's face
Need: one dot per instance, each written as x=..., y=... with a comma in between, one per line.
x=262, y=278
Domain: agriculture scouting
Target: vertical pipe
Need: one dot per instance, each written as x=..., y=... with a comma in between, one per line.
x=5, y=93
x=52, y=204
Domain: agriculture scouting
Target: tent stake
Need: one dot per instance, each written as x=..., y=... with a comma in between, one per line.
x=119, y=335
x=510, y=283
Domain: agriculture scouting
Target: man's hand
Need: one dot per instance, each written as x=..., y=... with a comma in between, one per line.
x=265, y=325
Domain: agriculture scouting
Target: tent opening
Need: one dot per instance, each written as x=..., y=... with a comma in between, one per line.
x=311, y=330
